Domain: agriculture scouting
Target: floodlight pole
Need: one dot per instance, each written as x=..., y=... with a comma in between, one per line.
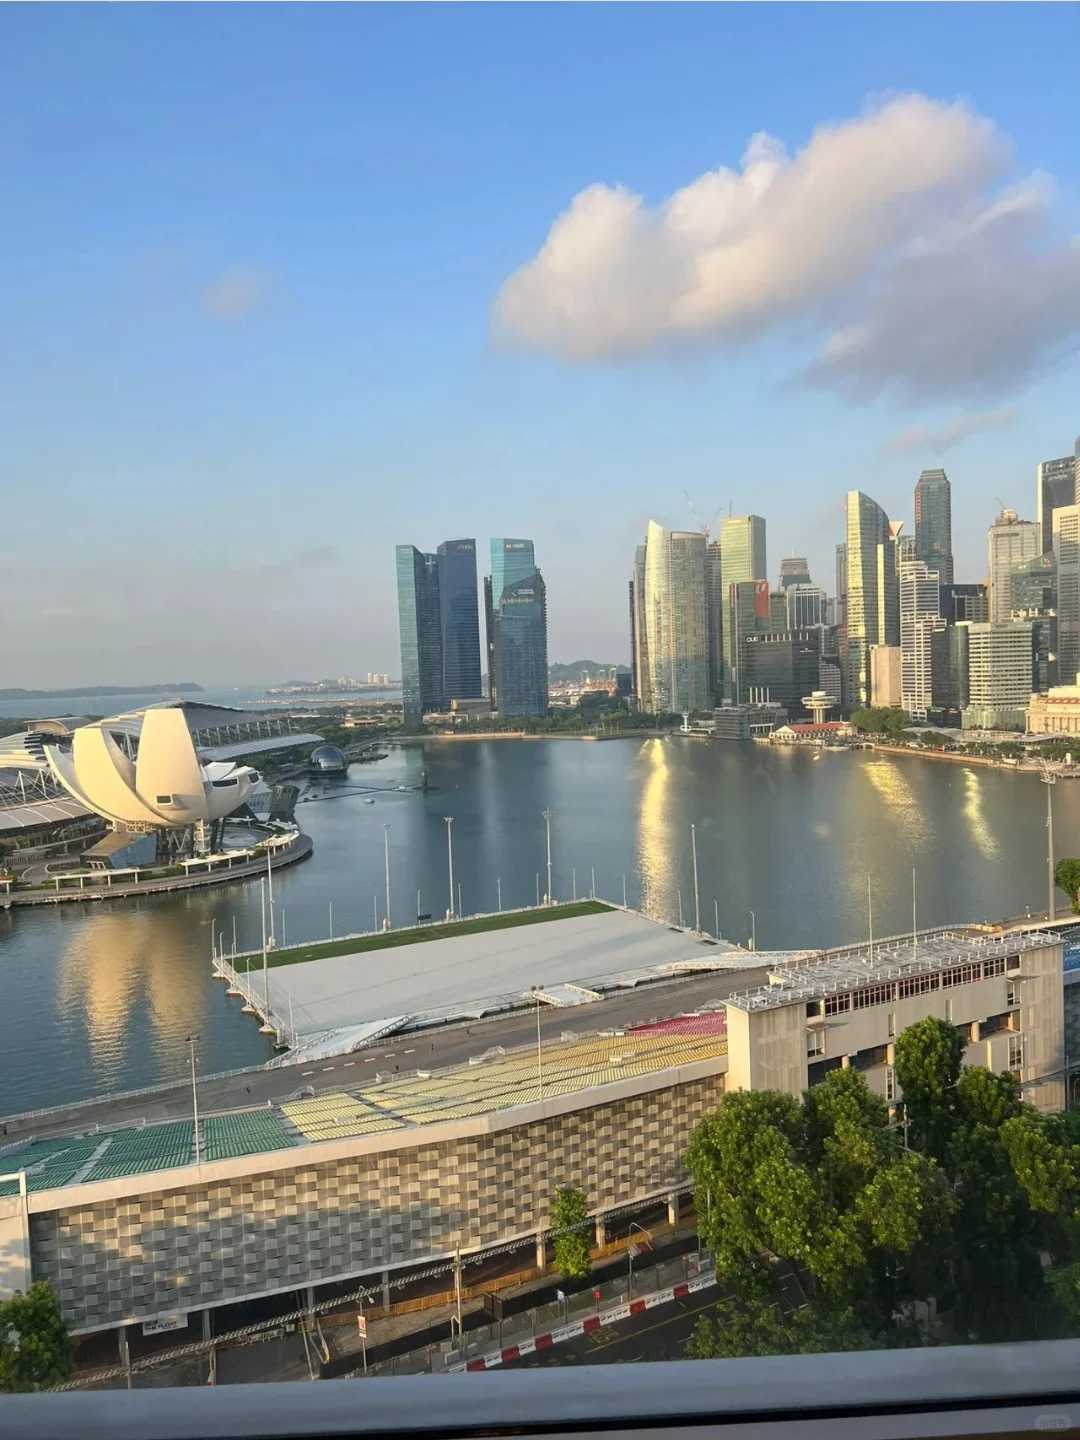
x=697, y=897
x=547, y=827
x=450, y=859
x=191, y=1039
x=386, y=866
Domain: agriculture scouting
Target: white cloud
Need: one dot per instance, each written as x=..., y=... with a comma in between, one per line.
x=939, y=438
x=236, y=292
x=885, y=237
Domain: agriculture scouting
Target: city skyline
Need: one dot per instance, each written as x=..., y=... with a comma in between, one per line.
x=328, y=312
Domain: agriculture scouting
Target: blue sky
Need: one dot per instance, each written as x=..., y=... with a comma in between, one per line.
x=253, y=261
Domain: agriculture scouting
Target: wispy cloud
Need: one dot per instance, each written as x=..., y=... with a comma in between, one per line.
x=236, y=292
x=888, y=237
x=939, y=438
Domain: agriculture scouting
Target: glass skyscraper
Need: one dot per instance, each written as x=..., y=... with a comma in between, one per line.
x=521, y=663
x=933, y=523
x=420, y=629
x=459, y=618
x=511, y=560
x=1055, y=487
x=676, y=632
x=868, y=531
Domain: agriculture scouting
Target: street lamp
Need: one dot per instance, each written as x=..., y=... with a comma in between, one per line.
x=697, y=898
x=191, y=1039
x=450, y=858
x=630, y=1249
x=1049, y=780
x=753, y=931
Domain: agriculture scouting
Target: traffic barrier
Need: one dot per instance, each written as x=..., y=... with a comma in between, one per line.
x=586, y=1326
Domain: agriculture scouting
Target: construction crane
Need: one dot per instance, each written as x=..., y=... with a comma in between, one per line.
x=706, y=530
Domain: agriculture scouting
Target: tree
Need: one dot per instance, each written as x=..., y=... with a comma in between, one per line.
x=754, y=1320
x=823, y=1185
x=570, y=1226
x=929, y=1055
x=1067, y=877
x=35, y=1348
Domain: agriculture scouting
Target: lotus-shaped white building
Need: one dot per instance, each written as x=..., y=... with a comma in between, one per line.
x=161, y=783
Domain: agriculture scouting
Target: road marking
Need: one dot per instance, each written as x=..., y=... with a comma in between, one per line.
x=306, y=1072
x=408, y=1052
x=348, y=1064
x=389, y=1055
x=326, y=1067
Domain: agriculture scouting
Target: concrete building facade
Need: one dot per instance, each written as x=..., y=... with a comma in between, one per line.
x=1009, y=542
x=885, y=675
x=1000, y=672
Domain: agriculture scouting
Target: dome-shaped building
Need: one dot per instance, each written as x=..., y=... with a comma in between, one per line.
x=328, y=760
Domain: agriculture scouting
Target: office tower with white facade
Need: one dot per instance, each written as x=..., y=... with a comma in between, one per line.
x=1010, y=541
x=885, y=675
x=638, y=639
x=933, y=523
x=675, y=620
x=919, y=618
x=1000, y=675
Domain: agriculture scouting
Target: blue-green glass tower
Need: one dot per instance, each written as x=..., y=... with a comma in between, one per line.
x=521, y=665
x=459, y=614
x=420, y=626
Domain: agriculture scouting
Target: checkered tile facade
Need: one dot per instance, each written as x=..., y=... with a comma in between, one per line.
x=203, y=1245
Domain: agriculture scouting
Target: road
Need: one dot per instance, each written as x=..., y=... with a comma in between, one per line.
x=659, y=1334
x=428, y=1050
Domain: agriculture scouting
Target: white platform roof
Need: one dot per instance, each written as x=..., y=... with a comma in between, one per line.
x=472, y=975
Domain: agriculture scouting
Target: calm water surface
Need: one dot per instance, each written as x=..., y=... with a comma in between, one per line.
x=100, y=997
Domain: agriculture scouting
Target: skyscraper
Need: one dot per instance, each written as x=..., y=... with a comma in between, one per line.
x=714, y=614
x=1010, y=540
x=459, y=620
x=782, y=666
x=806, y=605
x=676, y=624
x=742, y=558
x=1055, y=486
x=420, y=632
x=1066, y=523
x=521, y=666
x=869, y=612
x=919, y=618
x=841, y=583
x=746, y=612
x=794, y=571
x=933, y=523
x=511, y=560
x=639, y=639
x=1000, y=674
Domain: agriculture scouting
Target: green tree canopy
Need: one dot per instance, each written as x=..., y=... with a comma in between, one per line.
x=823, y=1185
x=929, y=1055
x=570, y=1223
x=35, y=1348
x=1067, y=876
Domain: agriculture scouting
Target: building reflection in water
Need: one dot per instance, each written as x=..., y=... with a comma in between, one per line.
x=654, y=847
x=133, y=976
x=905, y=812
x=981, y=831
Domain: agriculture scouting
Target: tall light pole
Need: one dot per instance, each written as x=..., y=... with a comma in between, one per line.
x=1049, y=781
x=191, y=1039
x=547, y=827
x=753, y=931
x=697, y=897
x=386, y=867
x=539, y=1047
x=450, y=859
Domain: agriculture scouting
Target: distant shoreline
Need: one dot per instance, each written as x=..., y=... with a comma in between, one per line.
x=183, y=687
x=526, y=735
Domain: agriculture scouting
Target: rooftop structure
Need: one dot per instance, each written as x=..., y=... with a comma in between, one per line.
x=837, y=972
